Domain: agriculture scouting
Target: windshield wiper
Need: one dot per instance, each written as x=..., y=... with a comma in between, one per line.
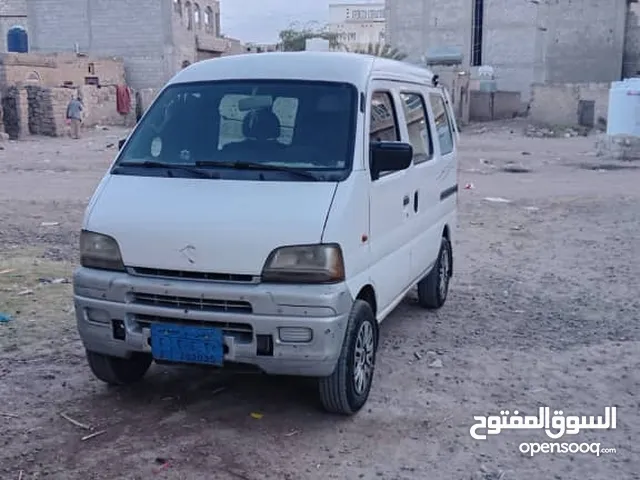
x=168, y=166
x=257, y=166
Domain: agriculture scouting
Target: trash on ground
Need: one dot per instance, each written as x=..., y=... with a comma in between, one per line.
x=257, y=416
x=292, y=433
x=516, y=227
x=531, y=209
x=49, y=224
x=75, y=422
x=5, y=317
x=497, y=200
x=92, y=435
x=8, y=270
x=25, y=292
x=469, y=186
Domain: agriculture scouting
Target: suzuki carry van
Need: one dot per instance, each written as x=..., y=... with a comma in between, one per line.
x=269, y=211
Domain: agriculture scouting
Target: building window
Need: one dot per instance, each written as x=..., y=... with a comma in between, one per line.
x=476, y=33
x=196, y=16
x=17, y=39
x=177, y=7
x=208, y=19
x=188, y=13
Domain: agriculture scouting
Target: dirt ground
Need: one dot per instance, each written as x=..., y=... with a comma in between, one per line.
x=543, y=311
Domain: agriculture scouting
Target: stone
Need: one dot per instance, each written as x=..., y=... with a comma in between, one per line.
x=618, y=147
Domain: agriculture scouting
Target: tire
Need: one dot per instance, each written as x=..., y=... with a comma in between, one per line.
x=341, y=392
x=433, y=288
x=119, y=371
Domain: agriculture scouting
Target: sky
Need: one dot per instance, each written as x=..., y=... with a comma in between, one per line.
x=260, y=21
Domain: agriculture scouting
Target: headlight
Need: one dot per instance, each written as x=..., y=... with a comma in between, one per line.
x=99, y=251
x=305, y=264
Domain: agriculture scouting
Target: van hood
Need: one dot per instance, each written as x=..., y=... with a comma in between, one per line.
x=203, y=225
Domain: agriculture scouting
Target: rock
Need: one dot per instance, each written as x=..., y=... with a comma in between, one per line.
x=437, y=363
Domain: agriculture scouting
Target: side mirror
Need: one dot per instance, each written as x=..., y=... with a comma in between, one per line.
x=389, y=157
x=121, y=142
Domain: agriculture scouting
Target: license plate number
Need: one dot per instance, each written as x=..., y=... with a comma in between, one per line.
x=187, y=344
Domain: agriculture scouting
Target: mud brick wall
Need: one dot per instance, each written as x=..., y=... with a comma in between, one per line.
x=15, y=112
x=101, y=107
x=41, y=118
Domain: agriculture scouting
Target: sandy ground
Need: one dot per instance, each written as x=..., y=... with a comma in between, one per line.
x=543, y=311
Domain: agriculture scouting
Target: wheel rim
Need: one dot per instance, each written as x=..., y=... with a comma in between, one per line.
x=363, y=358
x=444, y=273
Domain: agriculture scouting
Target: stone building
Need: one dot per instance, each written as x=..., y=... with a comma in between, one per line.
x=13, y=17
x=155, y=38
x=526, y=42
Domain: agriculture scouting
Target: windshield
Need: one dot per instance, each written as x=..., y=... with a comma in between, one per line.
x=234, y=128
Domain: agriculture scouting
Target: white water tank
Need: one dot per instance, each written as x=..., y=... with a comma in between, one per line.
x=623, y=117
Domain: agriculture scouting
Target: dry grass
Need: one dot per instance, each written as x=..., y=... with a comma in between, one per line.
x=29, y=296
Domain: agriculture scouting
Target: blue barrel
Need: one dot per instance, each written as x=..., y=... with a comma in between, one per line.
x=17, y=40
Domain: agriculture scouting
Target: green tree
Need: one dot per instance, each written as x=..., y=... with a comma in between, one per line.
x=379, y=50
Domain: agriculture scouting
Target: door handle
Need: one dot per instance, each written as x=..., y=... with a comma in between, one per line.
x=415, y=201
x=405, y=200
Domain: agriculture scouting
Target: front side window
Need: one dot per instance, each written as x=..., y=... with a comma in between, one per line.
x=304, y=126
x=415, y=114
x=443, y=124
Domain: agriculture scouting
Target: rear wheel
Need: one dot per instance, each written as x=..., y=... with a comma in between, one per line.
x=119, y=371
x=433, y=289
x=347, y=389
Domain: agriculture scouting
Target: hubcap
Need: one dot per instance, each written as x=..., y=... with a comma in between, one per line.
x=363, y=358
x=444, y=273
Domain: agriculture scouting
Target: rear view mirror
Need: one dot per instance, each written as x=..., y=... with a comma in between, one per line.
x=121, y=142
x=389, y=157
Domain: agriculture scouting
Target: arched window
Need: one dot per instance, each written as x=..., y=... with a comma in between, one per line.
x=17, y=39
x=196, y=16
x=188, y=15
x=177, y=6
x=208, y=19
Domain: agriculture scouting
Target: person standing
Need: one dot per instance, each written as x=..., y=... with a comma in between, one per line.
x=74, y=116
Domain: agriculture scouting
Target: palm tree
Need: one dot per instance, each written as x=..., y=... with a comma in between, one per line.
x=379, y=50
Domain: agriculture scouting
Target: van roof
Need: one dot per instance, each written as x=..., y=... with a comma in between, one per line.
x=323, y=66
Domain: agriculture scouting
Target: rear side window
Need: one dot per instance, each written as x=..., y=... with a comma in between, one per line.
x=443, y=124
x=415, y=114
x=384, y=121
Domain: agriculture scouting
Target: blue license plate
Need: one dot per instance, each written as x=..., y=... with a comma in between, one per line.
x=185, y=344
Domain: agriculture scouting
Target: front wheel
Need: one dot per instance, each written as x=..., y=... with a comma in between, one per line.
x=433, y=289
x=119, y=371
x=347, y=389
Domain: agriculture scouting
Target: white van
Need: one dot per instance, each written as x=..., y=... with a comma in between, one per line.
x=269, y=211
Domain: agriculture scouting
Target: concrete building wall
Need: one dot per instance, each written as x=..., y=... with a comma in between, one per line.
x=133, y=30
x=585, y=41
x=12, y=13
x=559, y=104
x=526, y=42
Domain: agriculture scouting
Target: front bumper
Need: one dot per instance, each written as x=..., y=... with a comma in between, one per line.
x=280, y=329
